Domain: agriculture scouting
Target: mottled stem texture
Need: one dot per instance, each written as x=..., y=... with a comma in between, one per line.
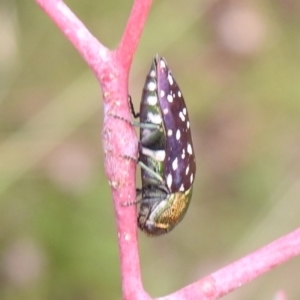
x=111, y=68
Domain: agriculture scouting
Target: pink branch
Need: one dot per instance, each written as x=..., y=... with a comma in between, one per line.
x=133, y=30
x=87, y=45
x=118, y=137
x=242, y=271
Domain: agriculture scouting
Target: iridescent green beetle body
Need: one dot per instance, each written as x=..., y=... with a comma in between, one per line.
x=166, y=153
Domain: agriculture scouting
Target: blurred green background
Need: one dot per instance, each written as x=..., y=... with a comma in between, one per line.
x=238, y=65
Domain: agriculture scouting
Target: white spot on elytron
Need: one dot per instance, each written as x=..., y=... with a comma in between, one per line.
x=169, y=180
x=152, y=73
x=181, y=116
x=170, y=98
x=162, y=93
x=179, y=94
x=178, y=135
x=184, y=111
x=181, y=189
x=162, y=64
x=151, y=86
x=183, y=154
x=158, y=155
x=188, y=124
x=192, y=178
x=154, y=118
x=175, y=164
x=152, y=100
x=165, y=111
x=170, y=132
x=170, y=78
x=187, y=170
x=189, y=149
x=173, y=95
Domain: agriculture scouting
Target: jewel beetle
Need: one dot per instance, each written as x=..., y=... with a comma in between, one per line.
x=166, y=152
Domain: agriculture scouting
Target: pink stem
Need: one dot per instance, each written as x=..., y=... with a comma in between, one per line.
x=242, y=271
x=133, y=30
x=86, y=44
x=118, y=137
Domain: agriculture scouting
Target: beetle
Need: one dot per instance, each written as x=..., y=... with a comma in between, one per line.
x=166, y=152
